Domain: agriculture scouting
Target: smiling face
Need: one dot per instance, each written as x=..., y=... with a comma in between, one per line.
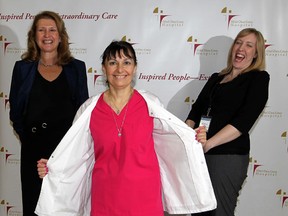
x=47, y=35
x=119, y=70
x=244, y=52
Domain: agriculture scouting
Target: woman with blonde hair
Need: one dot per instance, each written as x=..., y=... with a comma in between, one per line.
x=228, y=106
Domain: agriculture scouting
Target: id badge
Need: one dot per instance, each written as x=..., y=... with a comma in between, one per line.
x=205, y=121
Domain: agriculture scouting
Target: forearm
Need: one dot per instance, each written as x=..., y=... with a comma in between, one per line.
x=190, y=123
x=226, y=134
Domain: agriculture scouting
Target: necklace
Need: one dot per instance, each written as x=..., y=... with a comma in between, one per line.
x=118, y=110
x=119, y=129
x=46, y=65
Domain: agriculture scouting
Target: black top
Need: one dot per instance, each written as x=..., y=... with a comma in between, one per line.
x=23, y=77
x=238, y=102
x=50, y=102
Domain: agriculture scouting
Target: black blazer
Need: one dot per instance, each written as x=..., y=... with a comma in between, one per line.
x=23, y=77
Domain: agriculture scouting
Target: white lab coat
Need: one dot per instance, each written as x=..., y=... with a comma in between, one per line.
x=185, y=180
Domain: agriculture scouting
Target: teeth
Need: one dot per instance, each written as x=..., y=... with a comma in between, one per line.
x=47, y=42
x=120, y=76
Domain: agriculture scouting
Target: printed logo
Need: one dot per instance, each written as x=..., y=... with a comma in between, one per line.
x=4, y=43
x=189, y=101
x=267, y=45
x=283, y=197
x=5, y=153
x=164, y=21
x=97, y=78
x=269, y=113
x=78, y=51
x=254, y=165
x=7, y=48
x=160, y=15
x=138, y=50
x=129, y=40
x=9, y=210
x=194, y=43
x=4, y=100
x=197, y=50
x=274, y=52
x=8, y=157
x=258, y=169
x=233, y=22
x=284, y=137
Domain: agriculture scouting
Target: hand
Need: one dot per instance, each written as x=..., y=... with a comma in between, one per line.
x=42, y=167
x=201, y=135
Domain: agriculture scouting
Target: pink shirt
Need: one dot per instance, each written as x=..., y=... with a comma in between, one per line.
x=126, y=176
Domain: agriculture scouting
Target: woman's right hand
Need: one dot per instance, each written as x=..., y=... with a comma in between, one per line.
x=42, y=167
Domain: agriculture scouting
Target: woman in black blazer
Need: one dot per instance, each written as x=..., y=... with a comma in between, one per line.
x=48, y=86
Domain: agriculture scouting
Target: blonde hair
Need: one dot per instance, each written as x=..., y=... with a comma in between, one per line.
x=258, y=62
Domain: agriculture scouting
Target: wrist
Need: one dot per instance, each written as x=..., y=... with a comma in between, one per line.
x=208, y=145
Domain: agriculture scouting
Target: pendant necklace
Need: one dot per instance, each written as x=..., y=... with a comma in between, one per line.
x=117, y=109
x=46, y=65
x=119, y=129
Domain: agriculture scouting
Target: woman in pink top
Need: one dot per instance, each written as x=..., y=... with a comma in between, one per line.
x=126, y=174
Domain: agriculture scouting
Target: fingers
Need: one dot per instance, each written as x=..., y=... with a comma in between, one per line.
x=201, y=135
x=42, y=167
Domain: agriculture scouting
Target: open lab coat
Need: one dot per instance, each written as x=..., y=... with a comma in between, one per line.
x=186, y=184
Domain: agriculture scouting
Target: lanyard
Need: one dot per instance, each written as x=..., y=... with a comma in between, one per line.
x=212, y=96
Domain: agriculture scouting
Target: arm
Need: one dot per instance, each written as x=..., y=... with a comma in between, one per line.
x=254, y=103
x=255, y=100
x=226, y=134
x=200, y=107
x=15, y=106
x=83, y=83
x=190, y=123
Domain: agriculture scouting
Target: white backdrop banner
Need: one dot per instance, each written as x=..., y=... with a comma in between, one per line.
x=179, y=44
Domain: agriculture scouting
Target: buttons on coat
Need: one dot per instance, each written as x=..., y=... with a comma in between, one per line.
x=43, y=125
